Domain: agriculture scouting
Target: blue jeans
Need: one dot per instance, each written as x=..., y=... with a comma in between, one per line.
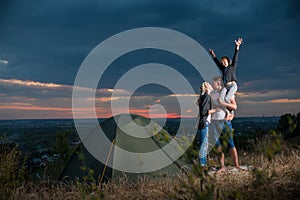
x=228, y=91
x=203, y=135
x=227, y=131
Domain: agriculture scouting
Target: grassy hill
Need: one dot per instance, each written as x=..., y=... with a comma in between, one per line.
x=274, y=173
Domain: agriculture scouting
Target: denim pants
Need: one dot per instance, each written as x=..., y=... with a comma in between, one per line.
x=228, y=92
x=226, y=128
x=203, y=135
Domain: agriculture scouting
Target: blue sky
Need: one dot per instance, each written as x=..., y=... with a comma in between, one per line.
x=45, y=42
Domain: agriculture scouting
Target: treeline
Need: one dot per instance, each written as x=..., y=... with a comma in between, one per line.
x=287, y=129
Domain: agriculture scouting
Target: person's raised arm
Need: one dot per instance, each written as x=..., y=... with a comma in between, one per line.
x=213, y=55
x=238, y=43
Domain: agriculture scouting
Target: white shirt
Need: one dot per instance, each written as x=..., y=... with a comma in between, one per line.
x=219, y=115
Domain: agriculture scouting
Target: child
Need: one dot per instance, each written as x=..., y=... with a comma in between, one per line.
x=228, y=69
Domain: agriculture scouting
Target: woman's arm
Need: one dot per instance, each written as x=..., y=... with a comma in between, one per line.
x=205, y=105
x=214, y=110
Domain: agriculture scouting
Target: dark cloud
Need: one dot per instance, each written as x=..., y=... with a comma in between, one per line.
x=47, y=41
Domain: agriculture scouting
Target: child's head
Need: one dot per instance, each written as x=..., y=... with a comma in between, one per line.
x=225, y=61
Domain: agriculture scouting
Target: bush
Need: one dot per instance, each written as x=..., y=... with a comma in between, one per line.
x=12, y=168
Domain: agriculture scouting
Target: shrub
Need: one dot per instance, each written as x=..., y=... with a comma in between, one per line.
x=12, y=168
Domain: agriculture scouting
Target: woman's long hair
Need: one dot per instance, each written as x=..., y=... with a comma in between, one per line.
x=205, y=88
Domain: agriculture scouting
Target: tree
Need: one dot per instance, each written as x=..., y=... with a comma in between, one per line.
x=63, y=149
x=288, y=124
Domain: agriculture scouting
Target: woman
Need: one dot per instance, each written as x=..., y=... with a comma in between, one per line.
x=204, y=103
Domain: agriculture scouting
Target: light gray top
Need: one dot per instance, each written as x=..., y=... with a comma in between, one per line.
x=220, y=115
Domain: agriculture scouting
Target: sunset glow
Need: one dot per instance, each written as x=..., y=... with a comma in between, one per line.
x=59, y=98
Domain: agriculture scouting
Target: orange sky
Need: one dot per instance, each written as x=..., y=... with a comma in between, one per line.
x=29, y=99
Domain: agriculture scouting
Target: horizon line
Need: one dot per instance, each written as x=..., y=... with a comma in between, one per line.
x=116, y=115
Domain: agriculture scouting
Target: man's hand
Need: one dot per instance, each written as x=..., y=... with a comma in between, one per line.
x=212, y=53
x=229, y=117
x=238, y=43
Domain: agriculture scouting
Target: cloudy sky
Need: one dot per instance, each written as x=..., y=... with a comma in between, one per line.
x=43, y=43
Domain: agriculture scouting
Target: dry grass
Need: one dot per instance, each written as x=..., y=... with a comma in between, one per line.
x=47, y=190
x=144, y=188
x=276, y=179
x=119, y=189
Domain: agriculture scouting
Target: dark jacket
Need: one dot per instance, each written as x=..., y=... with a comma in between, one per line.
x=228, y=73
x=204, y=107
